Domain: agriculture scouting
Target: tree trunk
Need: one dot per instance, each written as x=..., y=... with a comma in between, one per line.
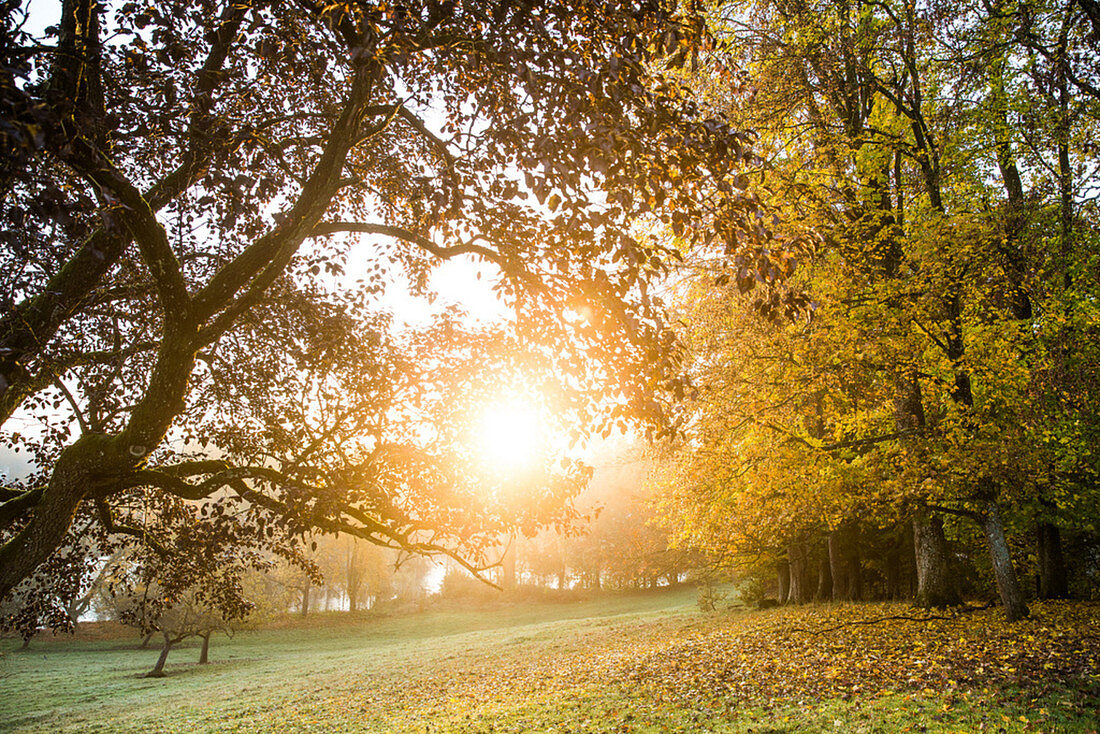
x=305, y=600
x=1052, y=564
x=158, y=669
x=1007, y=585
x=204, y=654
x=893, y=572
x=145, y=640
x=855, y=571
x=935, y=586
x=845, y=565
x=783, y=581
x=794, y=554
x=508, y=566
x=800, y=572
x=70, y=480
x=824, y=579
x=837, y=568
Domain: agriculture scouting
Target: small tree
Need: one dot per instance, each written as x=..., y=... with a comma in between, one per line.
x=191, y=615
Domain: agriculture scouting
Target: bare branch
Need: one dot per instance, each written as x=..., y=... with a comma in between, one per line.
x=84, y=427
x=442, y=252
x=113, y=527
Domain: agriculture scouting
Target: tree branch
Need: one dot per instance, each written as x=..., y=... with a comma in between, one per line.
x=959, y=512
x=463, y=248
x=28, y=384
x=19, y=504
x=84, y=427
x=369, y=529
x=257, y=267
x=112, y=527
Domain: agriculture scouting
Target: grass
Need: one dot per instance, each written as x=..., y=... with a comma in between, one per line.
x=618, y=663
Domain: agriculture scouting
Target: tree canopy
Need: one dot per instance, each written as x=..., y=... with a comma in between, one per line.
x=203, y=357
x=936, y=160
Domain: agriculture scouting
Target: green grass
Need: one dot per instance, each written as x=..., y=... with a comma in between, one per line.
x=508, y=668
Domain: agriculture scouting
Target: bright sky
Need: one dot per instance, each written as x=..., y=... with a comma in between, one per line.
x=455, y=281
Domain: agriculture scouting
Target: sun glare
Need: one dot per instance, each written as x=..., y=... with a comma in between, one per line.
x=510, y=435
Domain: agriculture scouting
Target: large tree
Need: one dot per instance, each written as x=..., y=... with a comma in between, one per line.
x=183, y=181
x=917, y=143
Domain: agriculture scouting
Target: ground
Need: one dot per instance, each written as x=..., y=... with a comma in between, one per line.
x=647, y=662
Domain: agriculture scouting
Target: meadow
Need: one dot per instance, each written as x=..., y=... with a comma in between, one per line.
x=645, y=662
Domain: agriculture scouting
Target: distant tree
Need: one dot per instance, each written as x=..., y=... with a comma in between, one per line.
x=95, y=590
x=410, y=573
x=618, y=543
x=176, y=621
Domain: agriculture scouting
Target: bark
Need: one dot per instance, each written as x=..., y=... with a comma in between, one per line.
x=204, y=654
x=1065, y=168
x=909, y=403
x=824, y=579
x=71, y=479
x=96, y=462
x=783, y=581
x=1017, y=267
x=935, y=586
x=27, y=328
x=797, y=573
x=305, y=600
x=800, y=572
x=1007, y=585
x=1052, y=564
x=158, y=669
x=855, y=572
x=838, y=569
x=845, y=564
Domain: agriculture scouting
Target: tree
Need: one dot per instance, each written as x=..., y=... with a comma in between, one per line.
x=182, y=199
x=908, y=390
x=186, y=617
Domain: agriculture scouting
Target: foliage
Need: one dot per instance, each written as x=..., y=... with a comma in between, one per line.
x=937, y=160
x=826, y=652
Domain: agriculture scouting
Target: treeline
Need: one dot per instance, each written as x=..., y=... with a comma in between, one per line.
x=901, y=399
x=617, y=545
x=616, y=542
x=866, y=563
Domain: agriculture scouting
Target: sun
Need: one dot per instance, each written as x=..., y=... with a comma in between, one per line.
x=510, y=436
